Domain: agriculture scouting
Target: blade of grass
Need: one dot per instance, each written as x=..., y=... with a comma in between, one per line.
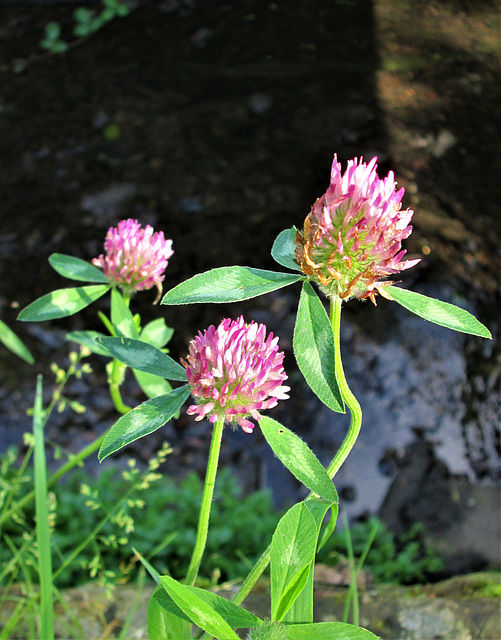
x=353, y=590
x=74, y=628
x=16, y=556
x=354, y=571
x=17, y=614
x=42, y=525
x=123, y=635
x=26, y=608
x=150, y=568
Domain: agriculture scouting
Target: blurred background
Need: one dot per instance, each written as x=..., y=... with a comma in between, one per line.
x=216, y=122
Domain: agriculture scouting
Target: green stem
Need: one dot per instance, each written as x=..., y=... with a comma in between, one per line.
x=116, y=375
x=253, y=576
x=345, y=448
x=348, y=397
x=116, y=378
x=203, y=521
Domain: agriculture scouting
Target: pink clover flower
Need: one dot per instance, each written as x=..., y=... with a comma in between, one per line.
x=136, y=258
x=235, y=371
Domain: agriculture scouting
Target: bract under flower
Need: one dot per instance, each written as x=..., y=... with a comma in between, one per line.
x=352, y=238
x=136, y=258
x=235, y=371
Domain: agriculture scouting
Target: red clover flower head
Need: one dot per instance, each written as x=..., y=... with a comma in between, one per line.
x=136, y=258
x=352, y=236
x=235, y=371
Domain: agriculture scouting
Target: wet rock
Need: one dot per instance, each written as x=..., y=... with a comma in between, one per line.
x=107, y=204
x=191, y=204
x=259, y=103
x=461, y=520
x=201, y=38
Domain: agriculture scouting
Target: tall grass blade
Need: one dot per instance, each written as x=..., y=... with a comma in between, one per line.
x=353, y=590
x=355, y=570
x=42, y=526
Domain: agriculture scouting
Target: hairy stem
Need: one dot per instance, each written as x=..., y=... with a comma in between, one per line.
x=348, y=397
x=203, y=521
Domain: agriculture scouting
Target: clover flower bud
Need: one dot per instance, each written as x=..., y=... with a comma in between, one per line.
x=235, y=371
x=352, y=238
x=136, y=258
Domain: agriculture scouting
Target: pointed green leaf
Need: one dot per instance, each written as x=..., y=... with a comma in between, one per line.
x=144, y=419
x=292, y=551
x=283, y=250
x=298, y=458
x=329, y=527
x=167, y=603
x=62, y=303
x=318, y=508
x=302, y=607
x=313, y=344
x=442, y=313
x=328, y=631
x=14, y=344
x=88, y=339
x=228, y=284
x=121, y=317
x=76, y=269
x=198, y=610
x=163, y=625
x=235, y=616
x=151, y=385
x=156, y=333
x=149, y=567
x=291, y=593
x=144, y=357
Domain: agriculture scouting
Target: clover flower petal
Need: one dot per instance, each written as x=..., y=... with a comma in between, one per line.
x=136, y=258
x=235, y=372
x=352, y=237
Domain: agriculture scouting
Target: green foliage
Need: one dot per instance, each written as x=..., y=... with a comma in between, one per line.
x=165, y=510
x=299, y=459
x=62, y=303
x=86, y=23
x=391, y=559
x=228, y=284
x=314, y=349
x=284, y=247
x=14, y=344
x=292, y=554
x=143, y=420
x=442, y=313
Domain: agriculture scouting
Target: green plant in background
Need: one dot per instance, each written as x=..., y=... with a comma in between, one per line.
x=86, y=23
x=403, y=559
x=80, y=521
x=80, y=502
